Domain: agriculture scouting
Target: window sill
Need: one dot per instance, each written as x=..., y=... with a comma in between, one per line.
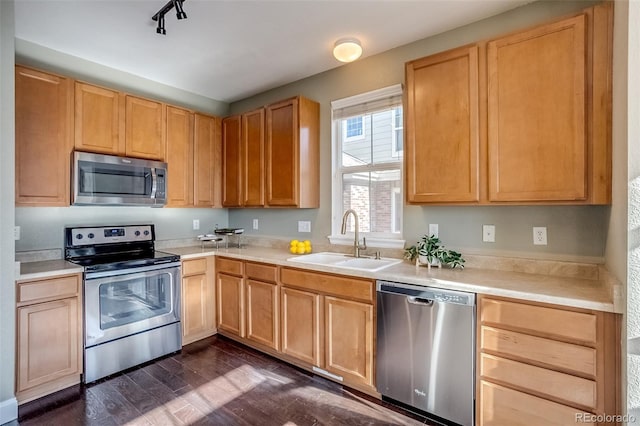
x=377, y=242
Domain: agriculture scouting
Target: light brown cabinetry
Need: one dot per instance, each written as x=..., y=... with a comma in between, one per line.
x=198, y=299
x=49, y=335
x=230, y=295
x=207, y=161
x=262, y=302
x=543, y=364
x=44, y=138
x=98, y=127
x=144, y=128
x=180, y=154
x=327, y=321
x=443, y=128
x=271, y=156
x=524, y=118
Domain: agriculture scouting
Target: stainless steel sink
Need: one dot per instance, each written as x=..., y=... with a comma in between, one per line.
x=339, y=260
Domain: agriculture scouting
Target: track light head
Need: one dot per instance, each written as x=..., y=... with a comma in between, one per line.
x=160, y=29
x=179, y=11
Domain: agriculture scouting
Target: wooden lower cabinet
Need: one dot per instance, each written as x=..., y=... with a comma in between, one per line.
x=301, y=336
x=349, y=349
x=198, y=299
x=230, y=295
x=262, y=313
x=49, y=336
x=545, y=364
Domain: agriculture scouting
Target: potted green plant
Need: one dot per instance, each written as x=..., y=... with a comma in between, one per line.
x=428, y=251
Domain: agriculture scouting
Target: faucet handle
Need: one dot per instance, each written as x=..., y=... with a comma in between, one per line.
x=364, y=243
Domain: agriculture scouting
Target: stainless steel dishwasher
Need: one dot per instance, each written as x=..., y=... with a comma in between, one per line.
x=426, y=349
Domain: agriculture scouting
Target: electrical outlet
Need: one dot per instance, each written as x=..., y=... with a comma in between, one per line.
x=489, y=233
x=16, y=233
x=255, y=224
x=304, y=226
x=433, y=229
x=196, y=224
x=540, y=235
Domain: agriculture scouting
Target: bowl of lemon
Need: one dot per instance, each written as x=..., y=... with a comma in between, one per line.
x=300, y=247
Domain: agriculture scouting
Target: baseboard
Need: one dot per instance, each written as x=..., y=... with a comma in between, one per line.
x=8, y=410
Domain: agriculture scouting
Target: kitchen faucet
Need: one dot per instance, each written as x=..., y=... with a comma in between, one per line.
x=356, y=239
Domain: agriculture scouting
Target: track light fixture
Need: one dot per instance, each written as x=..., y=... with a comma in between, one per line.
x=159, y=16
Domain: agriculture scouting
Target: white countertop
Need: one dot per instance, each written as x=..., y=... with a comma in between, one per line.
x=573, y=292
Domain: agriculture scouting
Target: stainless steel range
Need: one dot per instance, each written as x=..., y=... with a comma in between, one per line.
x=131, y=297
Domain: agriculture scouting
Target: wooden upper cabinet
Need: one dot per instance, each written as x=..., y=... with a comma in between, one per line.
x=180, y=156
x=293, y=154
x=44, y=138
x=231, y=162
x=253, y=158
x=144, y=128
x=207, y=161
x=97, y=120
x=442, y=125
x=537, y=90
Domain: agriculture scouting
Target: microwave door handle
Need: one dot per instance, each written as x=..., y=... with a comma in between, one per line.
x=154, y=182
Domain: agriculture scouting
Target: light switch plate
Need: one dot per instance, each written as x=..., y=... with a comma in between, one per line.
x=489, y=233
x=196, y=224
x=255, y=224
x=304, y=226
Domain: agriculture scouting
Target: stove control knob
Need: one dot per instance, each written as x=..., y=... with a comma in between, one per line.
x=146, y=233
x=91, y=235
x=137, y=233
x=79, y=236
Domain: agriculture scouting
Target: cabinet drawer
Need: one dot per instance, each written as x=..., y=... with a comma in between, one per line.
x=194, y=267
x=229, y=266
x=49, y=288
x=539, y=319
x=330, y=284
x=550, y=353
x=261, y=272
x=548, y=383
x=502, y=406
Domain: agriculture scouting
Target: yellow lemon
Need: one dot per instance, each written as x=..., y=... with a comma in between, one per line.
x=294, y=243
x=307, y=242
x=293, y=249
x=300, y=244
x=307, y=249
x=300, y=249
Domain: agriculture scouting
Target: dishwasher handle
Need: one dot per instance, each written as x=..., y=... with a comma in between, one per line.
x=419, y=301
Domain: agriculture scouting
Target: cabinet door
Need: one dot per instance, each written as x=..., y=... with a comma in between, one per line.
x=349, y=339
x=231, y=162
x=97, y=120
x=442, y=127
x=536, y=98
x=283, y=168
x=144, y=128
x=207, y=161
x=198, y=299
x=179, y=157
x=253, y=157
x=44, y=140
x=262, y=313
x=301, y=336
x=48, y=342
x=230, y=303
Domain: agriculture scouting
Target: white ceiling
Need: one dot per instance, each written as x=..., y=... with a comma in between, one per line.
x=229, y=50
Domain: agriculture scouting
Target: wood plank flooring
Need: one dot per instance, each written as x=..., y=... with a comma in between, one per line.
x=214, y=382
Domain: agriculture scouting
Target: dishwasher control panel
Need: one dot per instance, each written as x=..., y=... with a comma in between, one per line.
x=427, y=293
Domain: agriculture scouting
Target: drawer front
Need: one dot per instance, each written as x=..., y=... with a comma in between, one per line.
x=194, y=267
x=550, y=353
x=331, y=284
x=502, y=406
x=229, y=266
x=261, y=272
x=547, y=383
x=50, y=288
x=539, y=319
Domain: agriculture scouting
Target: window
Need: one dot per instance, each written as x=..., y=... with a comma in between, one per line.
x=367, y=166
x=352, y=129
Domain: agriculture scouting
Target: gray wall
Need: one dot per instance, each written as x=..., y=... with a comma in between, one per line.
x=573, y=232
x=7, y=198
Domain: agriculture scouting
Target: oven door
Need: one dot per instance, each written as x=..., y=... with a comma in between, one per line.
x=130, y=301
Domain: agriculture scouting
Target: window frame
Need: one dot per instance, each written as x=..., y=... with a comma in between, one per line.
x=395, y=152
x=374, y=239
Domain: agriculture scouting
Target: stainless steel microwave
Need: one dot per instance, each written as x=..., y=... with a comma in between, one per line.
x=110, y=180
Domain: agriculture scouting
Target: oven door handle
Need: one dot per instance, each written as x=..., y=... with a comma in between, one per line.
x=102, y=274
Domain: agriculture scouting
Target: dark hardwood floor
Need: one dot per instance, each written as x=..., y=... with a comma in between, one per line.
x=214, y=382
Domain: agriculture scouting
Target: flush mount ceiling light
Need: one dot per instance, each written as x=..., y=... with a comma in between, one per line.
x=159, y=16
x=347, y=49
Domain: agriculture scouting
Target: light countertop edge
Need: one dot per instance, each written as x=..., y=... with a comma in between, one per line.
x=47, y=269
